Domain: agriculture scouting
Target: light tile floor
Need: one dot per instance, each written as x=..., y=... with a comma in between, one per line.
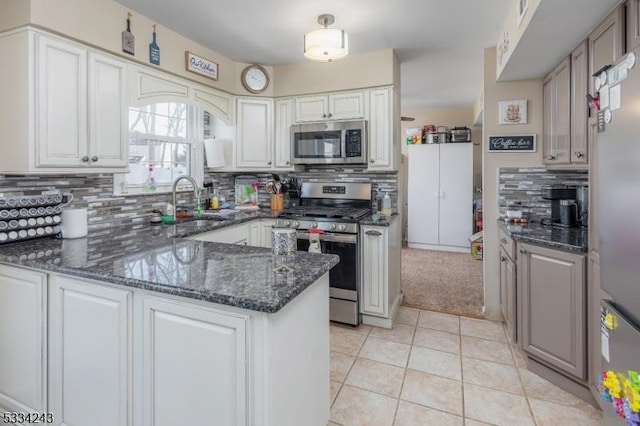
x=438, y=369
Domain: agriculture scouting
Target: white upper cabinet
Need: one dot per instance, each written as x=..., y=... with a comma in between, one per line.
x=383, y=118
x=65, y=106
x=108, y=112
x=61, y=103
x=254, y=133
x=334, y=106
x=282, y=141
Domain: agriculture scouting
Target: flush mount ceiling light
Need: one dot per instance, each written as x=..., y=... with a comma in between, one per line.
x=327, y=44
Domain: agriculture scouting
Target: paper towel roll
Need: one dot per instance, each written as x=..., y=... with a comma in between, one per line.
x=74, y=223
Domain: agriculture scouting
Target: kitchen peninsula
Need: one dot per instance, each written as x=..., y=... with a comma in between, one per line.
x=136, y=326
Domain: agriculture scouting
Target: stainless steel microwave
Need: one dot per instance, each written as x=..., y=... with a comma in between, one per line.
x=332, y=142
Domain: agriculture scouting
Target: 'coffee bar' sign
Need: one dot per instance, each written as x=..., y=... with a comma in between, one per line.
x=517, y=143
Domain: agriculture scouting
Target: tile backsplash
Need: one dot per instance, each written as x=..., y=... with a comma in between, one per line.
x=105, y=210
x=523, y=185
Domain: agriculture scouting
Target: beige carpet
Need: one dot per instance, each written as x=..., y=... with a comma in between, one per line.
x=442, y=281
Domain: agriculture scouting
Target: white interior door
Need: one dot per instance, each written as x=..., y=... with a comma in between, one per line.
x=423, y=193
x=456, y=194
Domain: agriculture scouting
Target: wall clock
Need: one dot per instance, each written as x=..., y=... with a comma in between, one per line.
x=255, y=79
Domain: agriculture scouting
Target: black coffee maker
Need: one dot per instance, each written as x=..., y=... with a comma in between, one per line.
x=564, y=211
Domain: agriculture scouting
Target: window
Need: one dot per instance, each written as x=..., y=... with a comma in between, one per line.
x=164, y=142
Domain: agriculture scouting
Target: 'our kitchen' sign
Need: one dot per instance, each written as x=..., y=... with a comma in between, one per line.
x=517, y=143
x=199, y=65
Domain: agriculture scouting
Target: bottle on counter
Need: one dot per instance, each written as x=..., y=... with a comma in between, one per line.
x=150, y=184
x=215, y=201
x=386, y=205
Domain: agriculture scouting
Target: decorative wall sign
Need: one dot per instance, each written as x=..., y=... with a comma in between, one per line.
x=154, y=49
x=128, y=40
x=199, y=65
x=512, y=112
x=523, y=6
x=519, y=143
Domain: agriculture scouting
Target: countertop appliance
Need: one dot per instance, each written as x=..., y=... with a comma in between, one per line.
x=618, y=165
x=330, y=142
x=460, y=134
x=563, y=205
x=333, y=209
x=437, y=137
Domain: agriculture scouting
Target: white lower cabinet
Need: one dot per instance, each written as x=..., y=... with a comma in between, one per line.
x=380, y=291
x=237, y=234
x=211, y=347
x=266, y=228
x=23, y=339
x=90, y=353
x=254, y=233
x=120, y=357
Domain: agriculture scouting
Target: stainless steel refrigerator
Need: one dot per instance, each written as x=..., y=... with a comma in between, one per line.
x=618, y=177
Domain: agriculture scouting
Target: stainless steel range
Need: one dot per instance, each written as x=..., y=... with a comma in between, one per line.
x=334, y=209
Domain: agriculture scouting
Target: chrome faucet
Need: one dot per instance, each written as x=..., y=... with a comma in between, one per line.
x=195, y=191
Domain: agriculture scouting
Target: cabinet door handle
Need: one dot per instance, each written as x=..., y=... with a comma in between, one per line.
x=373, y=233
x=373, y=161
x=94, y=158
x=502, y=258
x=579, y=154
x=551, y=158
x=85, y=159
x=329, y=115
x=503, y=240
x=324, y=115
x=522, y=250
x=269, y=163
x=288, y=163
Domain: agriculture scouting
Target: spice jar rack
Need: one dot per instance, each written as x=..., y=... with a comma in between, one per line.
x=27, y=217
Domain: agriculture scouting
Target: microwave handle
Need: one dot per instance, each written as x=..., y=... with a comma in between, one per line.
x=343, y=147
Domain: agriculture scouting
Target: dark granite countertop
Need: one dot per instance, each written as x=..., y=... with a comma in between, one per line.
x=155, y=258
x=367, y=220
x=567, y=239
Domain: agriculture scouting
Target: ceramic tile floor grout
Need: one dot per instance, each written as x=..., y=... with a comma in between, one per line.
x=398, y=399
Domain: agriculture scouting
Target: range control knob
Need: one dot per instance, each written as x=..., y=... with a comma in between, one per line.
x=343, y=227
x=333, y=227
x=314, y=225
x=296, y=224
x=287, y=223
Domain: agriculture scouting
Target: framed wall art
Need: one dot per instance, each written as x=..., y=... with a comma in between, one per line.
x=512, y=112
x=199, y=65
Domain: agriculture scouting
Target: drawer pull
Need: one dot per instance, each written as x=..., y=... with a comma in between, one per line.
x=373, y=233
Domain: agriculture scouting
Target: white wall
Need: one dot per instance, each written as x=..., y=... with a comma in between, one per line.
x=494, y=92
x=14, y=13
x=364, y=70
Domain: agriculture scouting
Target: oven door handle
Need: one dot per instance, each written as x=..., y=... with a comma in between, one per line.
x=330, y=237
